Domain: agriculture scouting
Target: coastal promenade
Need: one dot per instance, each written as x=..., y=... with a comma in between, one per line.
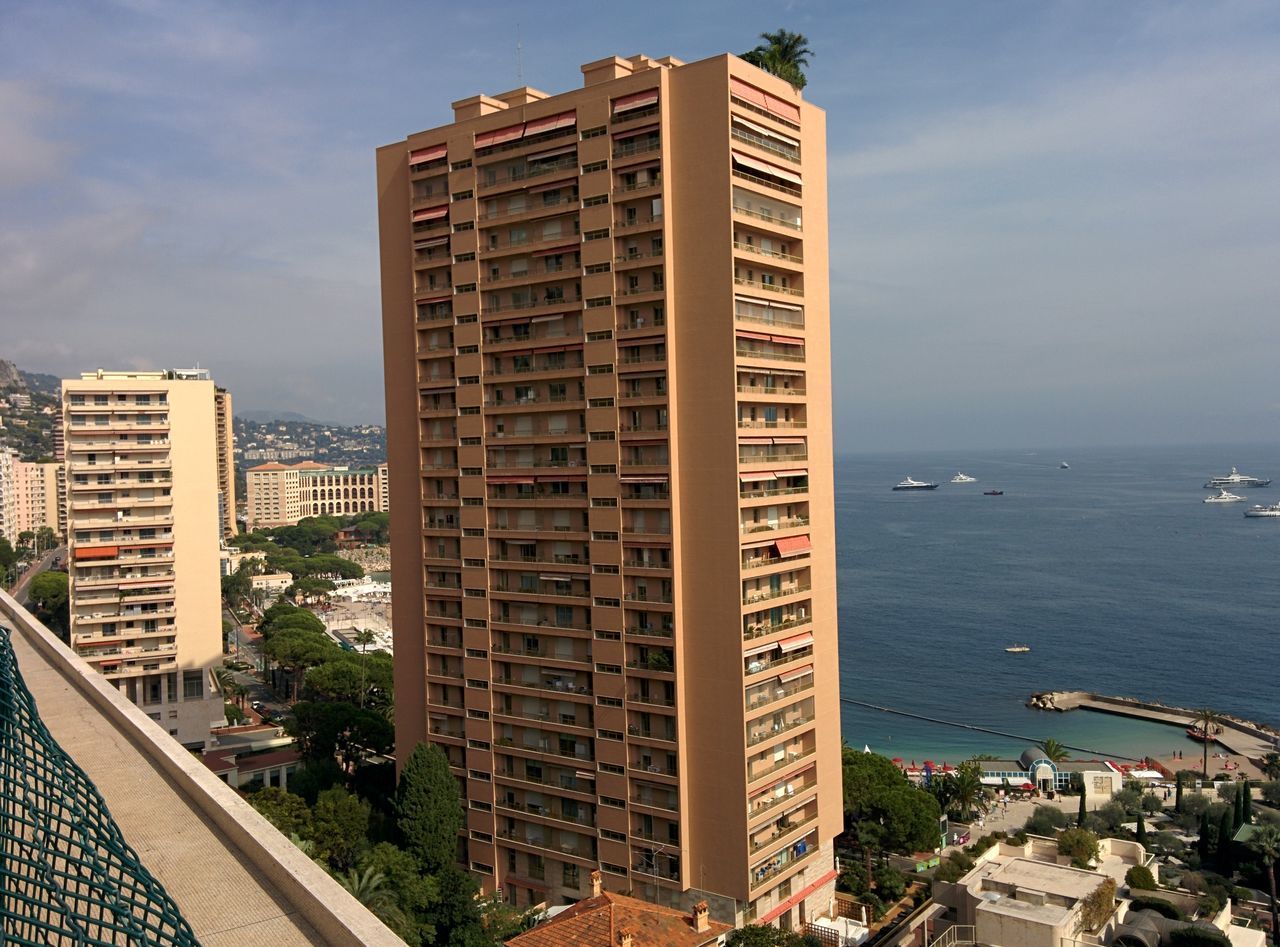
x=1240, y=737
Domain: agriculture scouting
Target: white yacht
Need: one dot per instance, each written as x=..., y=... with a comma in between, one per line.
x=1224, y=497
x=1272, y=510
x=1235, y=479
x=910, y=484
x=963, y=478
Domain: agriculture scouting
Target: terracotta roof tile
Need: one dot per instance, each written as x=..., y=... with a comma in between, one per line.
x=598, y=921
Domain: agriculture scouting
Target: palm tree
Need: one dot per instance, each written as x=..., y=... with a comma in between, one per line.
x=784, y=54
x=968, y=794
x=1053, y=751
x=1206, y=721
x=1265, y=840
x=372, y=889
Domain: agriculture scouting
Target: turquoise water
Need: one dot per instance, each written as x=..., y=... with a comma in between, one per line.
x=1115, y=573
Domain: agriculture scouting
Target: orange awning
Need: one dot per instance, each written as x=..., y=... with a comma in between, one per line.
x=430, y=213
x=635, y=101
x=423, y=155
x=97, y=552
x=500, y=136
x=793, y=545
x=796, y=674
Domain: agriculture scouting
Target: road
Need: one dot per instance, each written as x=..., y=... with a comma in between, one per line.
x=19, y=591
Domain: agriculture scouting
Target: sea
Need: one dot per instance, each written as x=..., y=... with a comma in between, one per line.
x=1114, y=572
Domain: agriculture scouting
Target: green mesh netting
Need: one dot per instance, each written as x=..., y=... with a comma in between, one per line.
x=67, y=876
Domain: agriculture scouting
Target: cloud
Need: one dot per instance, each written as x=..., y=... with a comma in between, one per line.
x=28, y=153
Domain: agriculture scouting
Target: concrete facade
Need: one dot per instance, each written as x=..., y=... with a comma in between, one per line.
x=606, y=335
x=226, y=443
x=144, y=535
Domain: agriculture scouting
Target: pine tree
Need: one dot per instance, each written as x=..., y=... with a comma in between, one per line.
x=1246, y=792
x=1226, y=863
x=429, y=809
x=1142, y=830
x=1177, y=799
x=1202, y=845
x=1080, y=817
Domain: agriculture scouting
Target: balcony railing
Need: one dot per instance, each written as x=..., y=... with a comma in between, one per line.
x=777, y=185
x=780, y=221
x=760, y=629
x=763, y=595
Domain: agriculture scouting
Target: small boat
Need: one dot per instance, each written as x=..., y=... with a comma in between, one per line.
x=1201, y=736
x=1018, y=648
x=1223, y=497
x=1064, y=466
x=993, y=493
x=1257, y=511
x=963, y=478
x=910, y=484
x=1235, y=479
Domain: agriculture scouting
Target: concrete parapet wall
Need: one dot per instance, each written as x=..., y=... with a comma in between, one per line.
x=315, y=896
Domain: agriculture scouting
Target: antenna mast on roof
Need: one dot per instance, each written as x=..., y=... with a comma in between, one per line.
x=519, y=58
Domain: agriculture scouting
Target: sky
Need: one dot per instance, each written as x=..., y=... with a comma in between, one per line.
x=1052, y=223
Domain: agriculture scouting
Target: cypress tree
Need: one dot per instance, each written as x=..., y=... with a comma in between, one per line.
x=1080, y=817
x=1142, y=830
x=429, y=809
x=1202, y=844
x=1177, y=799
x=1226, y=864
x=1247, y=792
x=1237, y=811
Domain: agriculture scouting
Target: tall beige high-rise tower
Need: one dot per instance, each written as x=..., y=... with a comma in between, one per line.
x=226, y=443
x=606, y=332
x=143, y=528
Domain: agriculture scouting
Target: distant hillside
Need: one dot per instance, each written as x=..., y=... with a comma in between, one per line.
x=47, y=384
x=264, y=417
x=10, y=376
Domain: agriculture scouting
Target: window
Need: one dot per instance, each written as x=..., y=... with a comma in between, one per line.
x=589, y=235
x=594, y=132
x=460, y=165
x=594, y=166
x=462, y=195
x=192, y=685
x=465, y=225
x=595, y=200
x=598, y=268
x=464, y=258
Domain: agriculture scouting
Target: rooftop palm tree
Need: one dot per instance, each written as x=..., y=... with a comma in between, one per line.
x=1053, y=751
x=364, y=637
x=1207, y=721
x=784, y=54
x=1265, y=840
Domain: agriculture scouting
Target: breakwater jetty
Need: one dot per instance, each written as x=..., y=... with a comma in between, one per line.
x=1242, y=737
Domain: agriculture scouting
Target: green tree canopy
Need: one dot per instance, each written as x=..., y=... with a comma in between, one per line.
x=286, y=811
x=48, y=592
x=784, y=54
x=762, y=935
x=876, y=793
x=428, y=808
x=342, y=678
x=416, y=893
x=340, y=827
x=325, y=730
x=1080, y=845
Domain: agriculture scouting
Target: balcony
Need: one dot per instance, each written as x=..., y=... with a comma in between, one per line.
x=781, y=831
x=90, y=803
x=792, y=223
x=752, y=596
x=772, y=183
x=762, y=734
x=516, y=175
x=782, y=522
x=783, y=861
x=760, y=629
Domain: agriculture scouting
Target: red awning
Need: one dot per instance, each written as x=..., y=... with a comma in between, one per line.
x=423, y=155
x=430, y=213
x=755, y=440
x=555, y=152
x=796, y=674
x=758, y=336
x=792, y=473
x=793, y=545
x=97, y=552
x=556, y=318
x=799, y=641
x=763, y=167
x=637, y=100
x=759, y=649
x=756, y=477
x=787, y=339
x=551, y=251
x=761, y=99
x=630, y=132
x=500, y=136
x=436, y=299
x=433, y=242
x=554, y=185
x=552, y=122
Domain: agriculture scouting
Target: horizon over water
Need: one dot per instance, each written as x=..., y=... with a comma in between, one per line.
x=1115, y=573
